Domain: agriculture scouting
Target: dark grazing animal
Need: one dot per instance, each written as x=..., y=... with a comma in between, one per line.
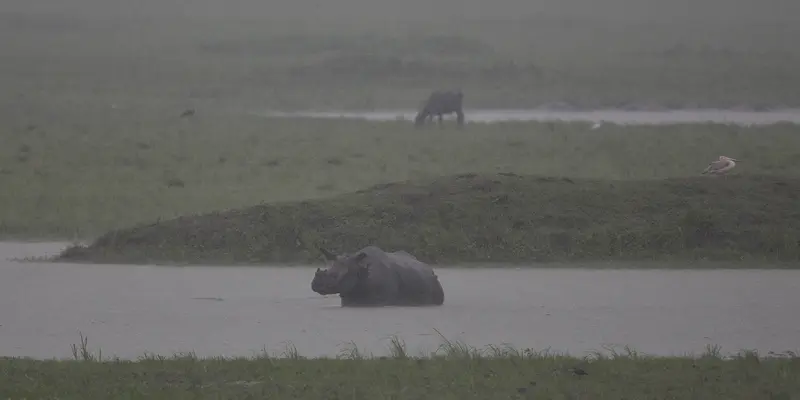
x=373, y=277
x=440, y=103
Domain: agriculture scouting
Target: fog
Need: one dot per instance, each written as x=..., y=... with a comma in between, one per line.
x=712, y=11
x=73, y=63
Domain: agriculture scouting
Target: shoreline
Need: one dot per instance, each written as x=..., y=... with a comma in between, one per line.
x=396, y=348
x=596, y=265
x=623, y=116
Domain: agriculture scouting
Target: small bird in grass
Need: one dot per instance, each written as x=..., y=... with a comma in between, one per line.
x=721, y=166
x=577, y=371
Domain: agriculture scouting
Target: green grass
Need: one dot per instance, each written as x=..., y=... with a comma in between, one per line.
x=91, y=141
x=492, y=218
x=455, y=371
x=78, y=173
x=360, y=54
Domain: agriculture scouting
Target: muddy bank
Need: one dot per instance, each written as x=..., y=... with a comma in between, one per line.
x=496, y=218
x=616, y=116
x=31, y=250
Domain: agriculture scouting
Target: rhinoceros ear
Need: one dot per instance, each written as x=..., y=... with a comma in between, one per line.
x=354, y=273
x=328, y=255
x=349, y=280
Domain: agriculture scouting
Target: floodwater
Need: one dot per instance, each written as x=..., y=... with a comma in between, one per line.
x=129, y=311
x=616, y=116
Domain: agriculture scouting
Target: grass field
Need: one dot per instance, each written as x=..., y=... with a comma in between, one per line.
x=81, y=172
x=91, y=141
x=360, y=54
x=456, y=371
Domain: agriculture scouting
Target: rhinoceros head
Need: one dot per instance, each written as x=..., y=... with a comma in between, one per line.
x=342, y=275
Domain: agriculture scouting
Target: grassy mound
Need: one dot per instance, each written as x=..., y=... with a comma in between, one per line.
x=495, y=218
x=76, y=173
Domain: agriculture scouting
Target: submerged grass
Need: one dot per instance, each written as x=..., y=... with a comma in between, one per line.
x=487, y=218
x=76, y=174
x=455, y=371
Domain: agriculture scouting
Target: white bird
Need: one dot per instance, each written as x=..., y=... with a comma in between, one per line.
x=721, y=166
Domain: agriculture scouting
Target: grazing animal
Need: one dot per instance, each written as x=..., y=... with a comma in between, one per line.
x=721, y=166
x=187, y=113
x=373, y=277
x=440, y=103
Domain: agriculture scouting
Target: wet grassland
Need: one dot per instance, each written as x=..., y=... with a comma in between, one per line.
x=92, y=141
x=499, y=192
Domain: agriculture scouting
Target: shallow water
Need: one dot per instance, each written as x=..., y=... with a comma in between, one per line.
x=132, y=310
x=609, y=116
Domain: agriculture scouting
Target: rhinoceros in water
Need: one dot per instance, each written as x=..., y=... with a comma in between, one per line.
x=439, y=103
x=373, y=277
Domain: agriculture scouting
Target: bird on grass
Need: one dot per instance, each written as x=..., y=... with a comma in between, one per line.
x=721, y=166
x=578, y=371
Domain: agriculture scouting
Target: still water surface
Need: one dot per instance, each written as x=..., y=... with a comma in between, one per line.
x=131, y=310
x=608, y=116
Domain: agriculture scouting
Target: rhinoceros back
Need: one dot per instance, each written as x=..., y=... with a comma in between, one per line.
x=413, y=278
x=416, y=277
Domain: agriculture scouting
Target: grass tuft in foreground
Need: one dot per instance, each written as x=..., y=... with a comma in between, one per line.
x=455, y=371
x=491, y=218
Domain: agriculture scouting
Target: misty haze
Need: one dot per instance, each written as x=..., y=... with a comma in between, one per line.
x=530, y=199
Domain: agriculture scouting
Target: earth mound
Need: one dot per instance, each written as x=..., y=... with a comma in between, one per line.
x=487, y=218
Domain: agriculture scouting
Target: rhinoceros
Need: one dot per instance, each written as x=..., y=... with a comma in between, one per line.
x=373, y=277
x=439, y=103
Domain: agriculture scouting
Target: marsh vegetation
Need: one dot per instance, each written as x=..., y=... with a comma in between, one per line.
x=455, y=371
x=498, y=218
x=93, y=140
x=73, y=177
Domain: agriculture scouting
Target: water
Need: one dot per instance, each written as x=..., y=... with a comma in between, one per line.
x=593, y=116
x=132, y=310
